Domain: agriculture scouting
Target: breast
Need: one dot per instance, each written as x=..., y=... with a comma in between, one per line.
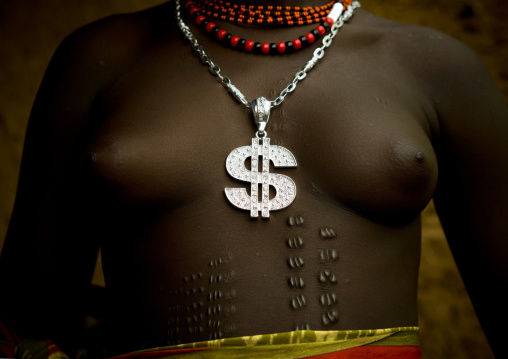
x=365, y=149
x=146, y=161
x=382, y=168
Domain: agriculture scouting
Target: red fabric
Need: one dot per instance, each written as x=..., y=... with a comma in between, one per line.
x=7, y=351
x=8, y=340
x=363, y=352
x=375, y=352
x=159, y=353
x=53, y=348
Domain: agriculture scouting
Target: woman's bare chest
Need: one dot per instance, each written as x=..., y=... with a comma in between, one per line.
x=359, y=138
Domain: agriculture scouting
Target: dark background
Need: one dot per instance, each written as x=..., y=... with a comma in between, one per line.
x=30, y=31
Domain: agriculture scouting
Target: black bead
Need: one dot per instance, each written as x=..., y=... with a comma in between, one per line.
x=241, y=44
x=257, y=48
x=227, y=39
x=325, y=25
x=316, y=34
x=273, y=49
x=195, y=15
x=214, y=31
x=304, y=41
x=203, y=24
x=290, y=47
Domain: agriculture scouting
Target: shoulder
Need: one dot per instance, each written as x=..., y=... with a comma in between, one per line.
x=89, y=60
x=129, y=27
x=434, y=59
x=113, y=43
x=447, y=73
x=418, y=47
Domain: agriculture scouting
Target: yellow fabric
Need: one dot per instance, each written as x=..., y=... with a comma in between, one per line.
x=297, y=344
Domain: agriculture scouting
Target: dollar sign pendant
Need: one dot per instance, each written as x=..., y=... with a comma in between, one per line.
x=260, y=147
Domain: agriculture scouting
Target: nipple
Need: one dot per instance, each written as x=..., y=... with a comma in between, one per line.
x=420, y=157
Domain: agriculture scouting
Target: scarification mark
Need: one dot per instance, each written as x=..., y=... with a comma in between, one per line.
x=194, y=306
x=214, y=324
x=229, y=310
x=216, y=262
x=191, y=291
x=216, y=335
x=192, y=277
x=304, y=326
x=328, y=299
x=229, y=329
x=230, y=294
x=216, y=279
x=295, y=242
x=298, y=302
x=222, y=277
x=295, y=262
x=193, y=319
x=229, y=276
x=295, y=220
x=214, y=310
x=173, y=336
x=215, y=295
x=221, y=261
x=296, y=282
x=195, y=329
x=216, y=327
x=327, y=233
x=328, y=255
x=330, y=317
x=327, y=276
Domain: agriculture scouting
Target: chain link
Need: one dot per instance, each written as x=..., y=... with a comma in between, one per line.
x=299, y=76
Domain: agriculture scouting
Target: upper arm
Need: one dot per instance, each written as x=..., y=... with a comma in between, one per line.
x=57, y=222
x=472, y=150
x=472, y=191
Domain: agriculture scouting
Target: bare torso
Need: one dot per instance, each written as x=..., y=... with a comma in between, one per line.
x=126, y=151
x=182, y=264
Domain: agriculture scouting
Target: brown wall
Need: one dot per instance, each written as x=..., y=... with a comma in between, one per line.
x=31, y=30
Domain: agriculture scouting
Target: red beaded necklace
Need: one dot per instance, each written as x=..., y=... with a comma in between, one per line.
x=265, y=15
x=268, y=15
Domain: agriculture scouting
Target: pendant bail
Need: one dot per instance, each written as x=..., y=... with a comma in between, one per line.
x=261, y=111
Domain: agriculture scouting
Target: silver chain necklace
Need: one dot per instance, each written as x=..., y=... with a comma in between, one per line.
x=260, y=146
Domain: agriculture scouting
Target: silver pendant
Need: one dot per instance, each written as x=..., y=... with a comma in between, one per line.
x=281, y=157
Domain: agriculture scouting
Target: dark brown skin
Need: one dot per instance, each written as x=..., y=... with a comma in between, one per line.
x=126, y=150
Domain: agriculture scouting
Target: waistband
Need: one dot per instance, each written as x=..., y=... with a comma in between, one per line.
x=391, y=343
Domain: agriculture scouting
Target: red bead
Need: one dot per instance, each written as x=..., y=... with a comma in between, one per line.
x=265, y=48
x=297, y=43
x=281, y=47
x=200, y=19
x=193, y=10
x=221, y=33
x=321, y=30
x=234, y=41
x=249, y=45
x=329, y=20
x=190, y=2
x=210, y=26
x=310, y=37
